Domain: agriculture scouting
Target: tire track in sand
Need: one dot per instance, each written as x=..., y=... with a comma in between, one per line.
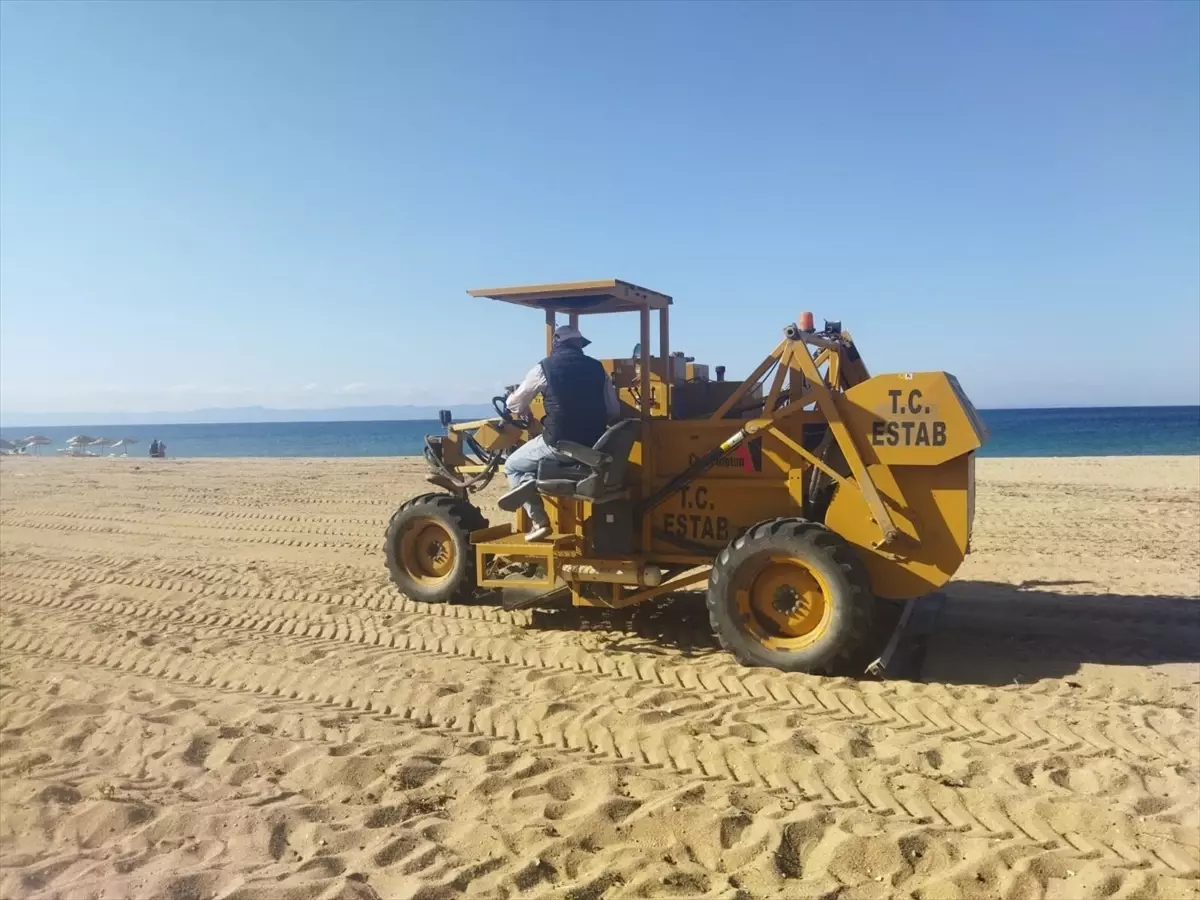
x=223, y=536
x=254, y=515
x=179, y=518
x=1132, y=731
x=877, y=787
x=286, y=803
x=1027, y=831
x=380, y=594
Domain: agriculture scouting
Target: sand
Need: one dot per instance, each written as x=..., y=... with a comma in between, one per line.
x=209, y=688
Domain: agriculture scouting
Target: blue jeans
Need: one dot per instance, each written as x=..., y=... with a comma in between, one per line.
x=521, y=467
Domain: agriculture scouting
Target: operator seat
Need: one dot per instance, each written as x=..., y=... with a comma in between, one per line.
x=589, y=473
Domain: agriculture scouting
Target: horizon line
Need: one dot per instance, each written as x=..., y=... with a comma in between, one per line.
x=132, y=424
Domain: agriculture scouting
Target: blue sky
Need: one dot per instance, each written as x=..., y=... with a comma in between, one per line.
x=283, y=204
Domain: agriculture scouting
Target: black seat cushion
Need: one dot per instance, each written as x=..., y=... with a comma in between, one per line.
x=558, y=470
x=571, y=478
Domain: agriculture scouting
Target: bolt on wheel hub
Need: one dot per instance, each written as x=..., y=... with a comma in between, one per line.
x=427, y=551
x=784, y=602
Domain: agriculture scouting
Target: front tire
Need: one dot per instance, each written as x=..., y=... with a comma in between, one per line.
x=428, y=548
x=792, y=595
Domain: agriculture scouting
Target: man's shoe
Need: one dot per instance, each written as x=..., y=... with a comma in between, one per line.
x=537, y=532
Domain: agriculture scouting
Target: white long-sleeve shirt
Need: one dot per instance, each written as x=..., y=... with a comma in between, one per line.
x=535, y=383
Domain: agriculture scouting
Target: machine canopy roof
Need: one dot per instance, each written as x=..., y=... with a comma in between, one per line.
x=607, y=296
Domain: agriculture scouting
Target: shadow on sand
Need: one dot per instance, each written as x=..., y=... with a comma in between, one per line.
x=994, y=633
x=671, y=626
x=978, y=632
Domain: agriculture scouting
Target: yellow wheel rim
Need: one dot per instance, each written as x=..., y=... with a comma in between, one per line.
x=784, y=603
x=427, y=551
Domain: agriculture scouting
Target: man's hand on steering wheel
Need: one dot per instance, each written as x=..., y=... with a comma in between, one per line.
x=500, y=404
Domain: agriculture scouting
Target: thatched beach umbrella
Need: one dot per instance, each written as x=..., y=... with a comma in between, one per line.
x=80, y=440
x=7, y=445
x=35, y=440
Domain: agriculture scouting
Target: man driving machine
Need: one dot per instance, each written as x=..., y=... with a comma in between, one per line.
x=580, y=401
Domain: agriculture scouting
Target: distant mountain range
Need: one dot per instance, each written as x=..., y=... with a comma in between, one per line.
x=245, y=414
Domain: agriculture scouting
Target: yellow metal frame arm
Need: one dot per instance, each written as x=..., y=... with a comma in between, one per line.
x=841, y=434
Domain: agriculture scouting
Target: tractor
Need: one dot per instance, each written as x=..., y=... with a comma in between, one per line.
x=803, y=499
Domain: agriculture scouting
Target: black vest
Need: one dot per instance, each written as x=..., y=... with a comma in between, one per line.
x=573, y=397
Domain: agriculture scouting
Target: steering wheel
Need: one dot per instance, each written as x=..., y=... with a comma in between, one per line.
x=500, y=404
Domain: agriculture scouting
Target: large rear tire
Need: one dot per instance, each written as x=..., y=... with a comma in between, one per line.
x=428, y=548
x=792, y=595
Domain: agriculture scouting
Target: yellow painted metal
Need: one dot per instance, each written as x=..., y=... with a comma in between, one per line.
x=912, y=419
x=755, y=376
x=515, y=547
x=714, y=510
x=820, y=359
x=904, y=498
x=797, y=485
x=664, y=353
x=496, y=436
x=427, y=551
x=452, y=452
x=602, y=570
x=781, y=373
x=761, y=479
x=599, y=596
x=644, y=364
x=492, y=533
x=931, y=507
x=784, y=603
x=850, y=448
x=804, y=454
x=627, y=377
x=687, y=579
x=515, y=544
x=648, y=462
x=833, y=374
x=469, y=426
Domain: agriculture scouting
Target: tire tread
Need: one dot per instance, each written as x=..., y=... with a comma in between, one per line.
x=460, y=514
x=828, y=544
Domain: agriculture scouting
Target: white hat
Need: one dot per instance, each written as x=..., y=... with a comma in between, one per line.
x=567, y=332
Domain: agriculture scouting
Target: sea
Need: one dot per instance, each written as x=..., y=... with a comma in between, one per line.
x=1110, y=431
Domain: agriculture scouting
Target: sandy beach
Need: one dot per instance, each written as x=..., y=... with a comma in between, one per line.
x=209, y=688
